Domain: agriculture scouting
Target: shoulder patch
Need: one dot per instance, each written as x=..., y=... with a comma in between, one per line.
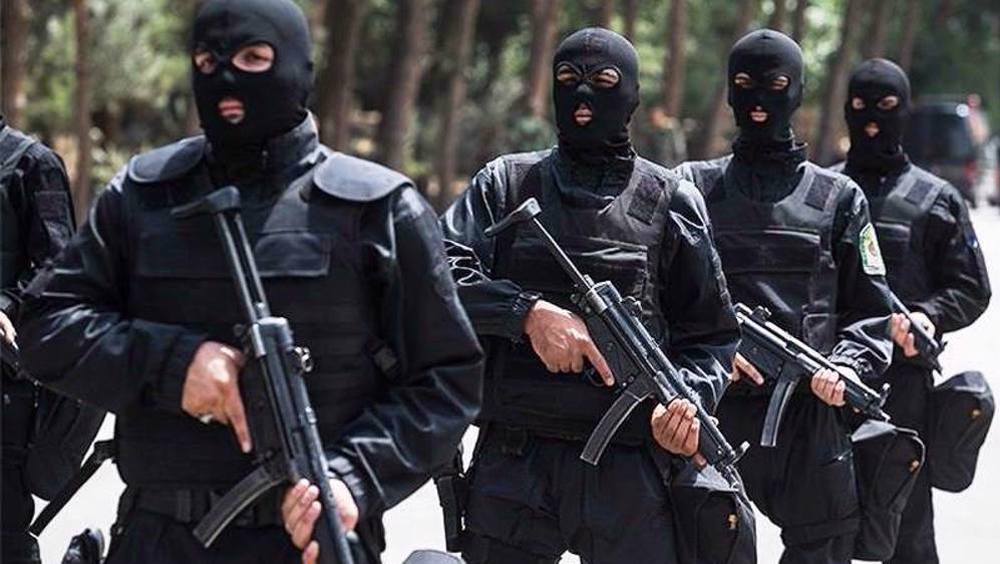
x=356, y=180
x=871, y=254
x=169, y=162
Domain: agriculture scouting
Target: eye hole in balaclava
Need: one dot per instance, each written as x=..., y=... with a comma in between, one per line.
x=765, y=85
x=878, y=103
x=252, y=70
x=596, y=89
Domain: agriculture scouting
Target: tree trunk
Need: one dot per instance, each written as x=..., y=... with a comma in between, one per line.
x=544, y=27
x=456, y=58
x=945, y=10
x=878, y=31
x=712, y=123
x=630, y=16
x=676, y=58
x=403, y=82
x=336, y=80
x=82, y=193
x=778, y=16
x=799, y=21
x=14, y=49
x=836, y=84
x=909, y=37
x=192, y=122
x=606, y=14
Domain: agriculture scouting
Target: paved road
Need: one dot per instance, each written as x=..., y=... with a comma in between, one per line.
x=967, y=524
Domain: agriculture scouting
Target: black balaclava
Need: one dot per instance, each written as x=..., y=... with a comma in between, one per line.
x=763, y=55
x=872, y=81
x=592, y=50
x=275, y=100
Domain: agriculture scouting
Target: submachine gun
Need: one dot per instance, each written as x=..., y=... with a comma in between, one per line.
x=780, y=355
x=928, y=347
x=640, y=367
x=282, y=423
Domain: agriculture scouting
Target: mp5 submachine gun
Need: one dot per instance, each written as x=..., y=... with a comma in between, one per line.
x=282, y=424
x=640, y=367
x=778, y=354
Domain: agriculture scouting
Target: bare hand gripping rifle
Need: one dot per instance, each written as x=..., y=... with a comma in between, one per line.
x=780, y=355
x=928, y=347
x=640, y=367
x=282, y=424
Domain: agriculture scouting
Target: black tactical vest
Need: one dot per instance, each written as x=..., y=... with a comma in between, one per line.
x=900, y=218
x=618, y=241
x=14, y=261
x=778, y=255
x=322, y=249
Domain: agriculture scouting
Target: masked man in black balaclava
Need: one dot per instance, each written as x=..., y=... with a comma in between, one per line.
x=137, y=316
x=623, y=219
x=36, y=222
x=796, y=239
x=933, y=262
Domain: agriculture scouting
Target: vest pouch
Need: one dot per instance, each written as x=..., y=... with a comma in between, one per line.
x=887, y=460
x=624, y=264
x=782, y=266
x=527, y=388
x=305, y=277
x=961, y=411
x=712, y=522
x=63, y=433
x=894, y=241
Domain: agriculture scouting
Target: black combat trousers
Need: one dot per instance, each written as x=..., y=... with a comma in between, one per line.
x=908, y=405
x=19, y=546
x=806, y=483
x=532, y=499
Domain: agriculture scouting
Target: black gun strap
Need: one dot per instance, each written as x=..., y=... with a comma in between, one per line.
x=103, y=451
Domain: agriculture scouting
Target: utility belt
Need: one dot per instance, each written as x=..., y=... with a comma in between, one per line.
x=189, y=506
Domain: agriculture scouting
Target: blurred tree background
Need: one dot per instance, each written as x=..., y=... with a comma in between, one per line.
x=438, y=87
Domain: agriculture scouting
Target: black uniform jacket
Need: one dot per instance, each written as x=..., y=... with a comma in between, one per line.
x=956, y=270
x=81, y=338
x=37, y=220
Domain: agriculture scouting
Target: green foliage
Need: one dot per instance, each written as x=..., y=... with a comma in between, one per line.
x=140, y=67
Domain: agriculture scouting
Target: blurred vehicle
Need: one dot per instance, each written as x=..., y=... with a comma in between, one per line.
x=949, y=137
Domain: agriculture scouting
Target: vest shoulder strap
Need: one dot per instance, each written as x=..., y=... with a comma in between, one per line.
x=707, y=176
x=823, y=188
x=169, y=162
x=654, y=188
x=357, y=180
x=13, y=147
x=913, y=198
